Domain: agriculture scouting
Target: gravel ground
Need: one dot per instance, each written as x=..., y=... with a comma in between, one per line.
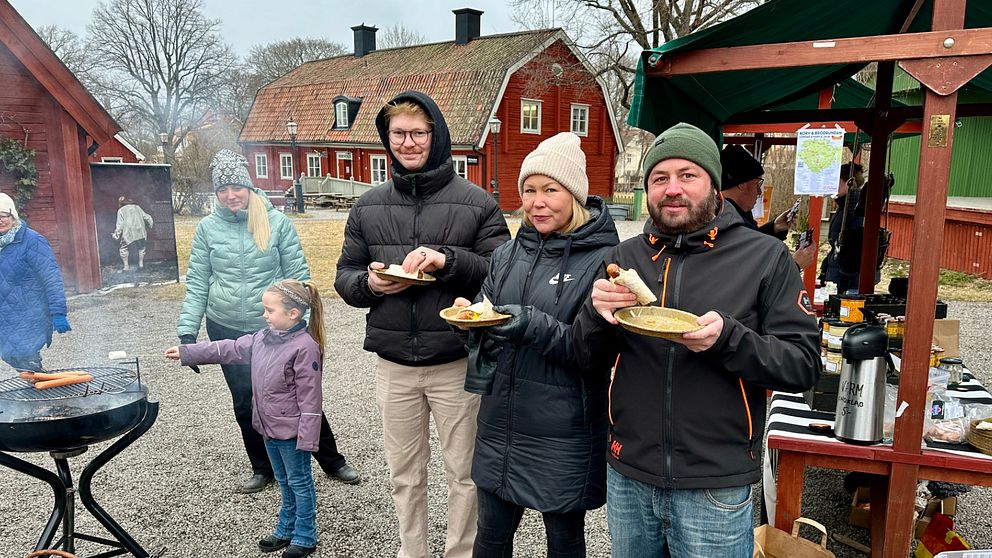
x=173, y=490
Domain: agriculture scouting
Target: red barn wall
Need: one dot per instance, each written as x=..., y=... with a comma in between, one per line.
x=966, y=246
x=577, y=87
x=113, y=149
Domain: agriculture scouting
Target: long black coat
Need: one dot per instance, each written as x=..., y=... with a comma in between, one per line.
x=542, y=433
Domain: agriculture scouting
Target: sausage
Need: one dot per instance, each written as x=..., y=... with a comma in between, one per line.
x=43, y=376
x=59, y=382
x=613, y=270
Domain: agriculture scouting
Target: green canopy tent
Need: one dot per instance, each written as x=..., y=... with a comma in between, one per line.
x=784, y=51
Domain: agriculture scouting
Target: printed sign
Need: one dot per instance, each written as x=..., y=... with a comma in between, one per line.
x=818, y=155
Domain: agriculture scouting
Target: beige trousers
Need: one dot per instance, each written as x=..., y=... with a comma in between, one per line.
x=406, y=397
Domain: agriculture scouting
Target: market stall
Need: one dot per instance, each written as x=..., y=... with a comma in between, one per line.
x=789, y=49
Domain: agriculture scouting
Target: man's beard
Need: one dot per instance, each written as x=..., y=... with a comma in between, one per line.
x=697, y=216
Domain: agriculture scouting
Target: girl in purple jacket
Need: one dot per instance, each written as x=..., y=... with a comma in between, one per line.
x=286, y=365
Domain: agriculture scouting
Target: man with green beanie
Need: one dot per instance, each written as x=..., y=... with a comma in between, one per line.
x=686, y=415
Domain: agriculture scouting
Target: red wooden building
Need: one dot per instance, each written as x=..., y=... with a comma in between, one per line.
x=119, y=150
x=535, y=82
x=43, y=105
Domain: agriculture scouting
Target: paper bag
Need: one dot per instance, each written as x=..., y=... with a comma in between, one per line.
x=945, y=334
x=770, y=542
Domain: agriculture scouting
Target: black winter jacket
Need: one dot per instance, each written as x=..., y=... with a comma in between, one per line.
x=434, y=208
x=749, y=222
x=541, y=441
x=694, y=420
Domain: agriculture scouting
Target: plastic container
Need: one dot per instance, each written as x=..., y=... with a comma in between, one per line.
x=851, y=307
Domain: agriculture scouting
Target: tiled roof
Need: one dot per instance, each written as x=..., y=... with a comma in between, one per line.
x=463, y=79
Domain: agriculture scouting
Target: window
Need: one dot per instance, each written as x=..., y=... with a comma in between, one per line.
x=111, y=159
x=461, y=165
x=341, y=114
x=580, y=120
x=530, y=116
x=313, y=164
x=377, y=164
x=286, y=166
x=261, y=165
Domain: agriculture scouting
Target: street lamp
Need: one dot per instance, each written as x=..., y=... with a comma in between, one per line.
x=297, y=186
x=494, y=125
x=163, y=138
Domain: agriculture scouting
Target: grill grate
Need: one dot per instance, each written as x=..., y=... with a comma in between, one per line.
x=105, y=380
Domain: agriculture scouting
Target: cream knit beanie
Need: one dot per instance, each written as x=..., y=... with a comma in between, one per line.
x=558, y=157
x=7, y=206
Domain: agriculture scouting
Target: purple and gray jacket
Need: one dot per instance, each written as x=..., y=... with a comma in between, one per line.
x=286, y=370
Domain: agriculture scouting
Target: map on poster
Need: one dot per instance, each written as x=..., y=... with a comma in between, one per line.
x=818, y=156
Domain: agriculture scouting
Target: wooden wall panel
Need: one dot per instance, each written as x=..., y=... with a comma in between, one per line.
x=967, y=243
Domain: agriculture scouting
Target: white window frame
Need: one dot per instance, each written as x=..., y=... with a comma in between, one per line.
x=462, y=161
x=286, y=162
x=583, y=111
x=382, y=172
x=523, y=118
x=261, y=165
x=341, y=115
x=111, y=159
x=310, y=167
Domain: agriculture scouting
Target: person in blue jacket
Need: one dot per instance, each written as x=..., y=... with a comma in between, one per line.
x=32, y=296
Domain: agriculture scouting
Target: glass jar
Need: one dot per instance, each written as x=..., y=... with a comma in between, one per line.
x=954, y=367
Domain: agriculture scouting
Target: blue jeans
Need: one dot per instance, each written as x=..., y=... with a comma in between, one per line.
x=298, y=513
x=499, y=519
x=650, y=522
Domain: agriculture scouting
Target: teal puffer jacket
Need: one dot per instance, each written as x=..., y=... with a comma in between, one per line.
x=228, y=274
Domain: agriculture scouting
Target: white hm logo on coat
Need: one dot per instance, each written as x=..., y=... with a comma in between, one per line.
x=554, y=280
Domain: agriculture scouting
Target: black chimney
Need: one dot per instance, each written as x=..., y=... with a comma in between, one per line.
x=467, y=25
x=364, y=39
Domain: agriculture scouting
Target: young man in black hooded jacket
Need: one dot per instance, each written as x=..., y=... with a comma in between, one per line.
x=686, y=416
x=425, y=218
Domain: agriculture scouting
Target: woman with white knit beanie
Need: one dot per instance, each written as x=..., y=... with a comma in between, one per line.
x=542, y=427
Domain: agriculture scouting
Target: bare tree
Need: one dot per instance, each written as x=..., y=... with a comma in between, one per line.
x=612, y=32
x=272, y=61
x=164, y=62
x=398, y=35
x=71, y=49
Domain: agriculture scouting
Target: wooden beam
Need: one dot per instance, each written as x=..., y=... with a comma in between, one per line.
x=946, y=75
x=854, y=50
x=880, y=130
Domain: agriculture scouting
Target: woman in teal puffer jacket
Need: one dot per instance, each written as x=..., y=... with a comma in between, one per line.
x=238, y=251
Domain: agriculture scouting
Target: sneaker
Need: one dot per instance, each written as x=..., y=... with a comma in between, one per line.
x=272, y=544
x=347, y=474
x=294, y=551
x=256, y=483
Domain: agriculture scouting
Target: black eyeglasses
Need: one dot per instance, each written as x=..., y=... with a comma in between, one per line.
x=7, y=216
x=419, y=137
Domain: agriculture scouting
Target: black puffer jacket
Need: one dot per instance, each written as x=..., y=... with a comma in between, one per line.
x=434, y=208
x=542, y=439
x=681, y=419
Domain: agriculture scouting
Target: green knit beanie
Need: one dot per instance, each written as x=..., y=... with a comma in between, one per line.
x=684, y=141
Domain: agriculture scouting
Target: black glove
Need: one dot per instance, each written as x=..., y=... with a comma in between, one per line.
x=189, y=340
x=514, y=329
x=483, y=353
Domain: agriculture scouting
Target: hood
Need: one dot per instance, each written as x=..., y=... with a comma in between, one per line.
x=599, y=230
x=228, y=215
x=279, y=336
x=699, y=240
x=440, y=138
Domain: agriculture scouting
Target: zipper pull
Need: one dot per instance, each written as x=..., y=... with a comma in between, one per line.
x=751, y=453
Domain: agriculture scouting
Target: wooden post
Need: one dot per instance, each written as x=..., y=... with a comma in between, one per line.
x=880, y=130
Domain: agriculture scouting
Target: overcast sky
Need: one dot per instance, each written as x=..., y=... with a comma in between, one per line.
x=249, y=22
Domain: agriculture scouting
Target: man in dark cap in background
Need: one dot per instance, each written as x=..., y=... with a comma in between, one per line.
x=742, y=180
x=687, y=414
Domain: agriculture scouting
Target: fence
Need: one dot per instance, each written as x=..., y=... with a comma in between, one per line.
x=966, y=246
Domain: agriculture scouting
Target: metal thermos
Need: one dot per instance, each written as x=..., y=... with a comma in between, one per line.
x=861, y=394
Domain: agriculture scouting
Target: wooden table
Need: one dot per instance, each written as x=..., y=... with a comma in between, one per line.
x=892, y=513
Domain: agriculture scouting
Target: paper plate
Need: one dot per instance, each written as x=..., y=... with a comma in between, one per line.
x=655, y=321
x=406, y=280
x=448, y=315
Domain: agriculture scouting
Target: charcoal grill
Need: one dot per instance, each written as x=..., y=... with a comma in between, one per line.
x=65, y=421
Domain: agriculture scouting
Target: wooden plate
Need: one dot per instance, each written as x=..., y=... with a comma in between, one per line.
x=448, y=315
x=427, y=280
x=638, y=319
